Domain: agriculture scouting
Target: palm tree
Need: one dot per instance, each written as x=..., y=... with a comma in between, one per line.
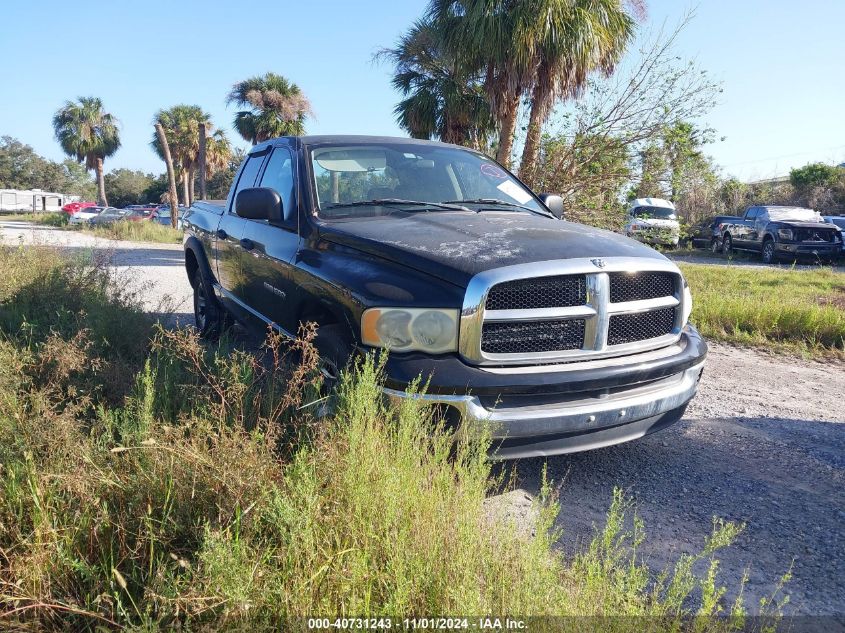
x=181, y=124
x=571, y=39
x=442, y=98
x=218, y=152
x=88, y=133
x=171, y=173
x=273, y=107
x=491, y=37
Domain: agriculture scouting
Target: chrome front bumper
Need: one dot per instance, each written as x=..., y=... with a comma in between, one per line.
x=576, y=424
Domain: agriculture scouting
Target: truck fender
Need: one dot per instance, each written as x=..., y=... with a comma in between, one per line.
x=195, y=258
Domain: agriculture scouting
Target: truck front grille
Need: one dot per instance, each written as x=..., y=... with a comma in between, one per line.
x=570, y=310
x=547, y=292
x=638, y=286
x=516, y=337
x=814, y=235
x=640, y=326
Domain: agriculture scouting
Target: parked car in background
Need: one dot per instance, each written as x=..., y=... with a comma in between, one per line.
x=86, y=214
x=653, y=221
x=72, y=207
x=839, y=222
x=782, y=232
x=110, y=215
x=558, y=337
x=162, y=215
x=708, y=233
x=146, y=210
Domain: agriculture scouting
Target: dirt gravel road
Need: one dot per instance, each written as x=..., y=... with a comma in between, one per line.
x=762, y=443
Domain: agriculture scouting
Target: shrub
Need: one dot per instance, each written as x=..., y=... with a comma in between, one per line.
x=218, y=493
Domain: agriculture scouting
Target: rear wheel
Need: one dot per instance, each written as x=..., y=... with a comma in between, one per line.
x=208, y=315
x=769, y=256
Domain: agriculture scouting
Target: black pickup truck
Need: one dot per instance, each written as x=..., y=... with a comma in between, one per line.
x=780, y=232
x=560, y=336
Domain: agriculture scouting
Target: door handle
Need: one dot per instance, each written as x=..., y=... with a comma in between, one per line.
x=221, y=234
x=247, y=244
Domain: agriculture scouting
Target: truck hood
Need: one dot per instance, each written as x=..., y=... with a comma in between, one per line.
x=799, y=224
x=457, y=245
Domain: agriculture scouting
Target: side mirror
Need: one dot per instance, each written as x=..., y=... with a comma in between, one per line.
x=554, y=203
x=259, y=203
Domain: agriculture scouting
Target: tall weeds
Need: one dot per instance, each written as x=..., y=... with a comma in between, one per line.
x=216, y=492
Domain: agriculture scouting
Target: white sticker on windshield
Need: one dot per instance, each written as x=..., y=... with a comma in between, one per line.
x=514, y=191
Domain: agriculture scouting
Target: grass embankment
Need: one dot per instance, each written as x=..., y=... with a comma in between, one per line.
x=143, y=231
x=785, y=310
x=48, y=219
x=151, y=482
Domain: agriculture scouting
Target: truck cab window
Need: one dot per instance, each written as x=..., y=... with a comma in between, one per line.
x=248, y=176
x=279, y=176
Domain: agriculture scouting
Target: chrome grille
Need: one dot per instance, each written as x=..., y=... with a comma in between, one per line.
x=515, y=337
x=545, y=292
x=639, y=286
x=575, y=309
x=640, y=326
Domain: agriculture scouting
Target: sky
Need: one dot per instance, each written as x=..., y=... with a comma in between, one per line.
x=780, y=63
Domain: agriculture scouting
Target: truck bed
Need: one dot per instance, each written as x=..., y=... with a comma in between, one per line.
x=215, y=206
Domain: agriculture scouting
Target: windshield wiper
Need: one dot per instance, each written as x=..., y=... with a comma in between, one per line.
x=496, y=201
x=398, y=201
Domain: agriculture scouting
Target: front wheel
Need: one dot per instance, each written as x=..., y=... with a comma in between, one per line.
x=335, y=352
x=768, y=252
x=716, y=245
x=727, y=245
x=208, y=315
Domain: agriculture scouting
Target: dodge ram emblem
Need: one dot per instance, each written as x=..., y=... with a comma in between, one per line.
x=599, y=263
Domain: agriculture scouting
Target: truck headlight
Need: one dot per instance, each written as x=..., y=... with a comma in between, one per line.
x=785, y=234
x=687, y=303
x=430, y=330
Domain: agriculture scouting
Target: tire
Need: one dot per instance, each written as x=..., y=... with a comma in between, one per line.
x=335, y=350
x=716, y=245
x=727, y=245
x=209, y=316
x=768, y=253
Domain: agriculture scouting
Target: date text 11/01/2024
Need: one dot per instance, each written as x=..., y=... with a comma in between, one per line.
x=434, y=623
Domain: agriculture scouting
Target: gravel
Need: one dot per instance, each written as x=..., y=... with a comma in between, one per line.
x=762, y=443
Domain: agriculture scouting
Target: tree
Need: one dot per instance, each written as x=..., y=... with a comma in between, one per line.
x=570, y=39
x=181, y=125
x=221, y=180
x=171, y=173
x=493, y=38
x=442, y=98
x=127, y=186
x=88, y=133
x=272, y=107
x=631, y=109
x=22, y=168
x=814, y=175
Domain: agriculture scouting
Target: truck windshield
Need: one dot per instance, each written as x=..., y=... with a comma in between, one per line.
x=661, y=213
x=362, y=180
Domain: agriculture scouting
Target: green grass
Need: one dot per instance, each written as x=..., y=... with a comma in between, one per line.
x=130, y=231
x=48, y=219
x=144, y=231
x=203, y=493
x=784, y=310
